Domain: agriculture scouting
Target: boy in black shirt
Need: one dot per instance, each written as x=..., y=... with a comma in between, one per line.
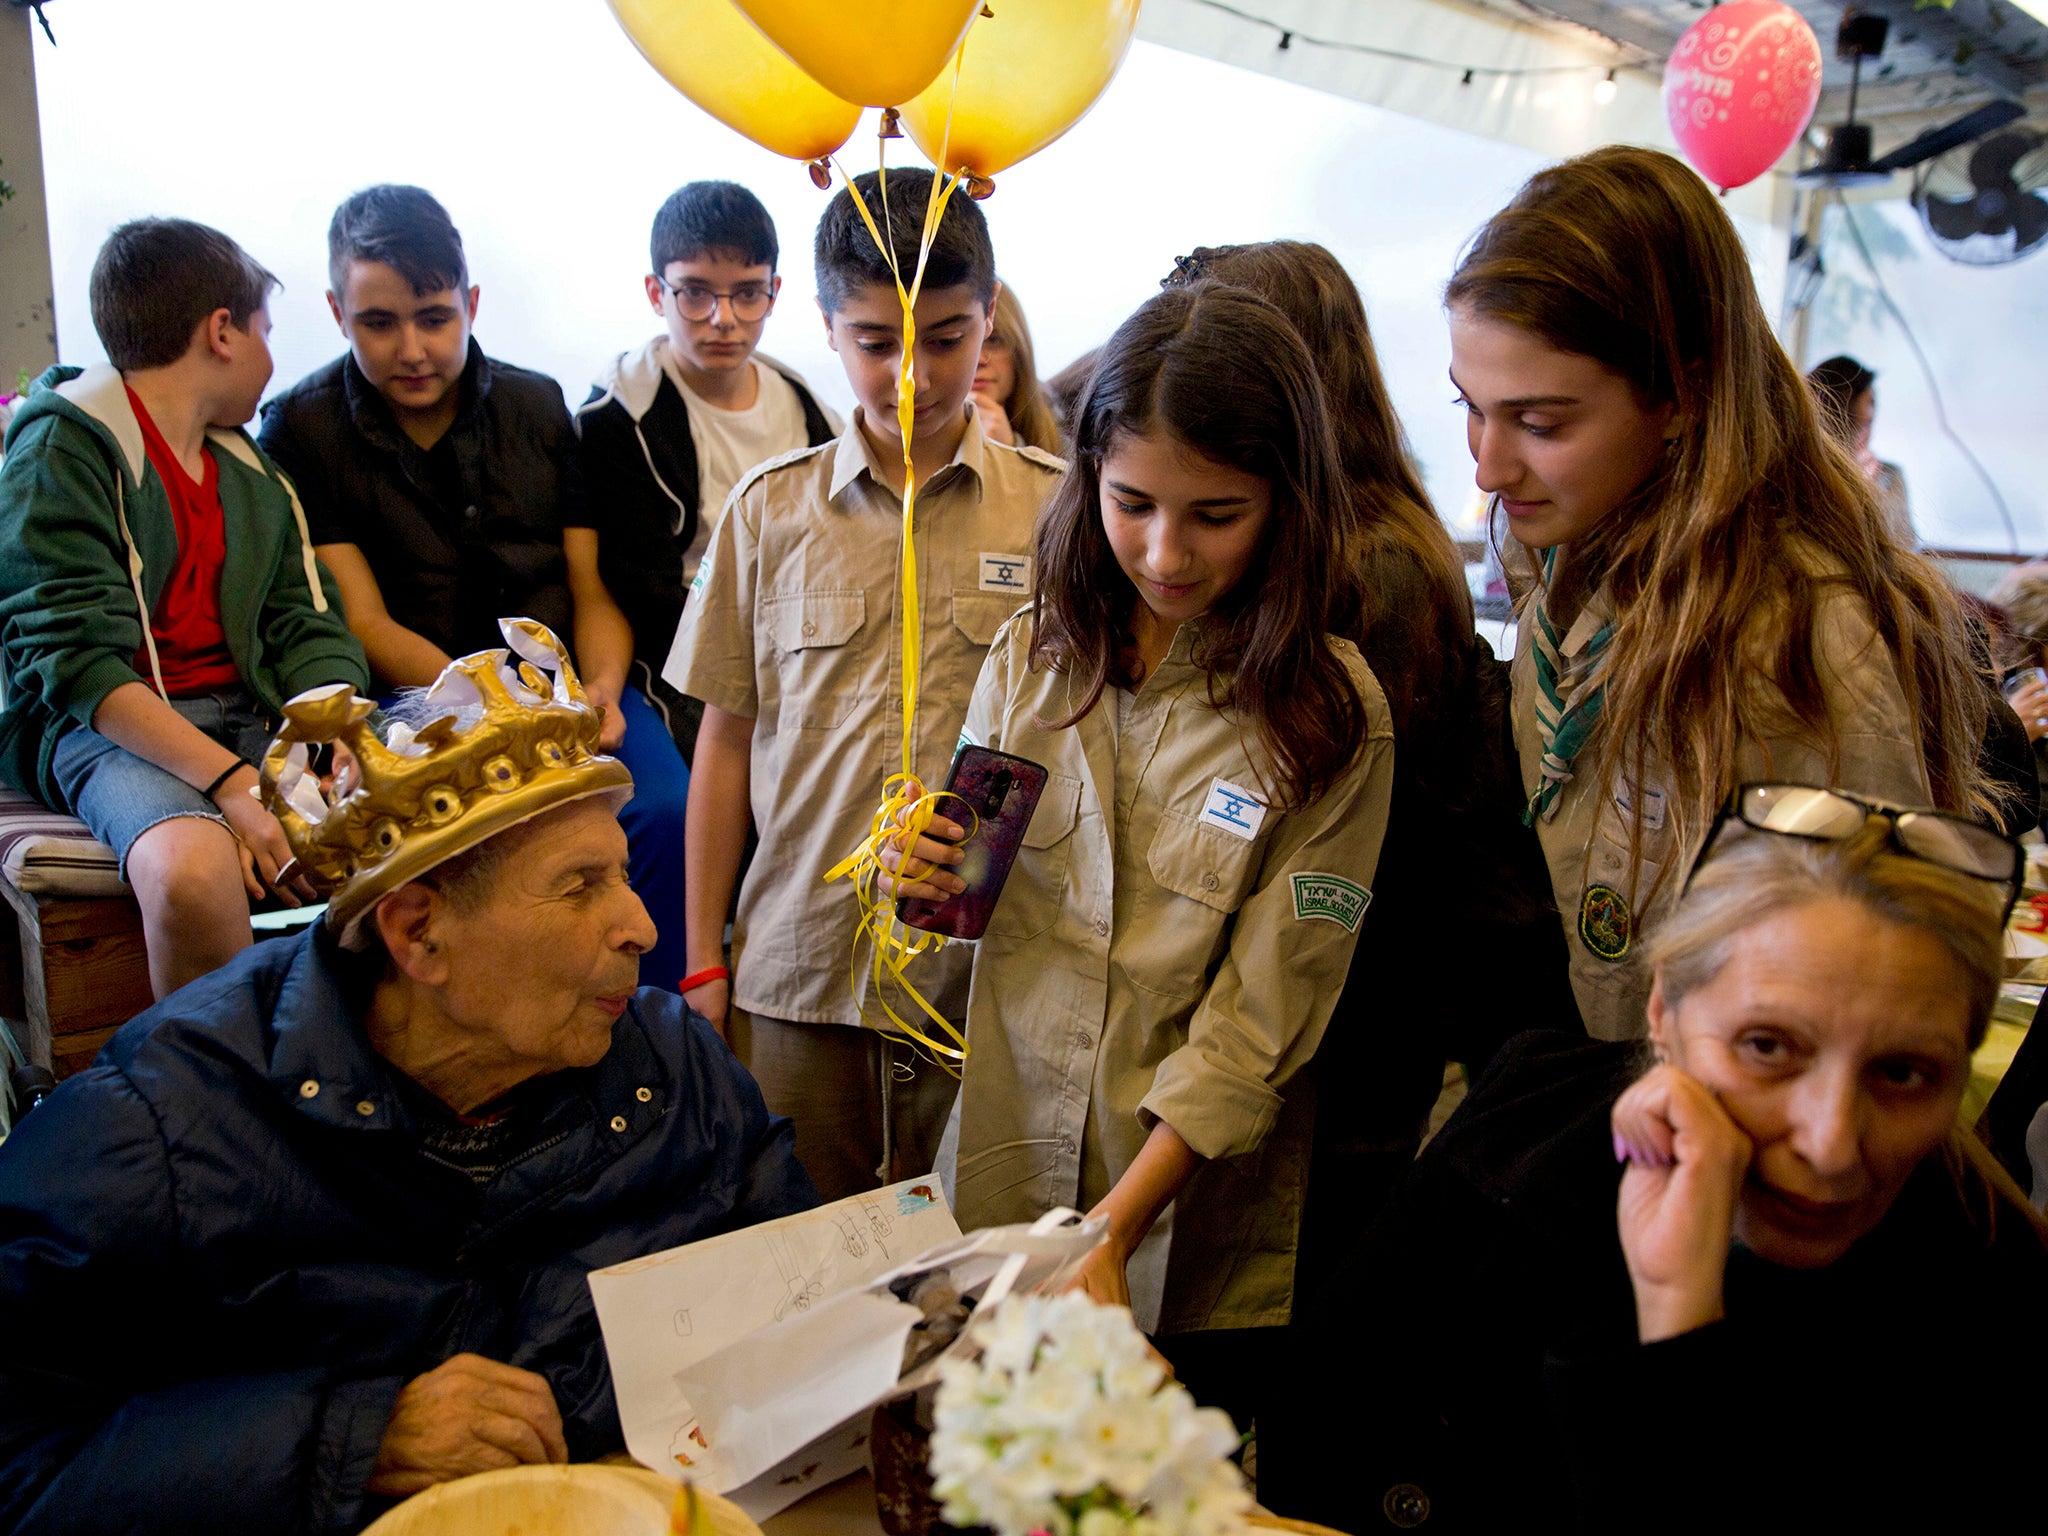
x=443, y=491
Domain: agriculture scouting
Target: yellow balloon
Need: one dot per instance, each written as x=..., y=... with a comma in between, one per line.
x=1028, y=74
x=711, y=53
x=875, y=52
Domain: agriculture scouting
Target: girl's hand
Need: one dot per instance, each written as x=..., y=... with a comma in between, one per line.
x=1676, y=1211
x=924, y=873
x=1102, y=1276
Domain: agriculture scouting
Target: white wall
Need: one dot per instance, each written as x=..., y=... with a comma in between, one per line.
x=27, y=328
x=552, y=144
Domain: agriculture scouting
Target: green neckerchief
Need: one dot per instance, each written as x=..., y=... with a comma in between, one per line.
x=1567, y=709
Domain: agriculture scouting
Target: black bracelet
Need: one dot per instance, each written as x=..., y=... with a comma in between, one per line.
x=212, y=788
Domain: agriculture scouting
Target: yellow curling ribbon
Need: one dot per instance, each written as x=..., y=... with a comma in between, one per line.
x=907, y=808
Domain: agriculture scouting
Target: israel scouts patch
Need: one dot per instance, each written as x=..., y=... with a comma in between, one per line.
x=1606, y=926
x=1331, y=898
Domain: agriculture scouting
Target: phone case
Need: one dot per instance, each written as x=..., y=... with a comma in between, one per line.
x=1002, y=791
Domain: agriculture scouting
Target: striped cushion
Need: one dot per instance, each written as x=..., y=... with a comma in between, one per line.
x=49, y=854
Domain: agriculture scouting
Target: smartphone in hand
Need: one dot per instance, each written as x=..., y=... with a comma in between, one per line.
x=993, y=794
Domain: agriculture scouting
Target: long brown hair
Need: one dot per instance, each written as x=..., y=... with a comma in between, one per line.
x=1418, y=651
x=1222, y=372
x=1624, y=256
x=1031, y=414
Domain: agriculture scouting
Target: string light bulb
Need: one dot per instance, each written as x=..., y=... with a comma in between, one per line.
x=1603, y=90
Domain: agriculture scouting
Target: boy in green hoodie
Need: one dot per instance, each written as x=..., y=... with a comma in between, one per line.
x=159, y=599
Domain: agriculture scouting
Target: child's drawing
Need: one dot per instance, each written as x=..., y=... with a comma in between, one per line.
x=850, y=1234
x=799, y=1289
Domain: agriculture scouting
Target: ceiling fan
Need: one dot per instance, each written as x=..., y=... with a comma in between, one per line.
x=1988, y=206
x=1845, y=158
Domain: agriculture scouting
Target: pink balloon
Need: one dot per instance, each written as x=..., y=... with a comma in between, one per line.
x=1741, y=87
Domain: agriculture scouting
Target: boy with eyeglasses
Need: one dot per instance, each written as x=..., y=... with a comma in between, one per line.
x=672, y=425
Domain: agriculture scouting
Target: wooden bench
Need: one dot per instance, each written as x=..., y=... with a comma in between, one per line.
x=73, y=968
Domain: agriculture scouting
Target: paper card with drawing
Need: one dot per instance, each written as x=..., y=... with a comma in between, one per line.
x=670, y=1313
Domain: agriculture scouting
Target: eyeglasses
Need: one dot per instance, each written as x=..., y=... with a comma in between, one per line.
x=748, y=302
x=1827, y=815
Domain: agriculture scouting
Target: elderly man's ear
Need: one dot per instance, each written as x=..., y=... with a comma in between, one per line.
x=412, y=921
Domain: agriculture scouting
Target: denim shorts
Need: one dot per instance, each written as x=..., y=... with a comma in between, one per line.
x=120, y=796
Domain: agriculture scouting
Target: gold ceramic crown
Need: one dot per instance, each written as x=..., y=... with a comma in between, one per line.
x=509, y=734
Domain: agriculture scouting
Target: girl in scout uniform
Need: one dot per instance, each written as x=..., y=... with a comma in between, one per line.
x=1174, y=933
x=1718, y=595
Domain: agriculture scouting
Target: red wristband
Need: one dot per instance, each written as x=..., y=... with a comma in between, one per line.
x=696, y=979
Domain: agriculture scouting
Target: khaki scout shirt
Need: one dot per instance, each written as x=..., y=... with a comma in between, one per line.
x=1586, y=842
x=1165, y=948
x=793, y=622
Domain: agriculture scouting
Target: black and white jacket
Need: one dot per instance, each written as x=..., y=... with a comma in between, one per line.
x=640, y=466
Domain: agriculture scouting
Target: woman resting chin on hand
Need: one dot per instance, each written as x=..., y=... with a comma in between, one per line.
x=1789, y=1306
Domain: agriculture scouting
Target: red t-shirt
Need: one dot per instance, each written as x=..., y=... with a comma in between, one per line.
x=191, y=646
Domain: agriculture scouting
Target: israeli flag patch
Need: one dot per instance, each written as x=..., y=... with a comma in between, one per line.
x=1006, y=573
x=1329, y=899
x=1235, y=810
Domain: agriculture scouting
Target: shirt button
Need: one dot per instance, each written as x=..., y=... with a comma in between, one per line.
x=470, y=514
x=1209, y=881
x=644, y=1095
x=1084, y=1040
x=1066, y=1144
x=308, y=1089
x=810, y=628
x=1102, y=926
x=618, y=1122
x=365, y=1108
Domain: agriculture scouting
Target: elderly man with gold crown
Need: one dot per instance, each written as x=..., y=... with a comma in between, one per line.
x=313, y=1232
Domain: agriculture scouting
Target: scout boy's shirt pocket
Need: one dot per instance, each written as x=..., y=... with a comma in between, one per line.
x=978, y=615
x=820, y=668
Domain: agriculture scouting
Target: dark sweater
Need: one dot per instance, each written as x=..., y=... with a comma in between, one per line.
x=459, y=535
x=1481, y=1355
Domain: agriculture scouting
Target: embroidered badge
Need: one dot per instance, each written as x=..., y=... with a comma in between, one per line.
x=1331, y=898
x=1606, y=926
x=1006, y=573
x=1237, y=811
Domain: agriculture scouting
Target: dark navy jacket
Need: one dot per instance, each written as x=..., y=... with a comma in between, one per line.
x=222, y=1252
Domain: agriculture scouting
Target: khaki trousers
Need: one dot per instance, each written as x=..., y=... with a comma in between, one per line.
x=869, y=1110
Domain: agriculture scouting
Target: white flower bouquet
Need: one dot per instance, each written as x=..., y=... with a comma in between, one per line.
x=1065, y=1425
